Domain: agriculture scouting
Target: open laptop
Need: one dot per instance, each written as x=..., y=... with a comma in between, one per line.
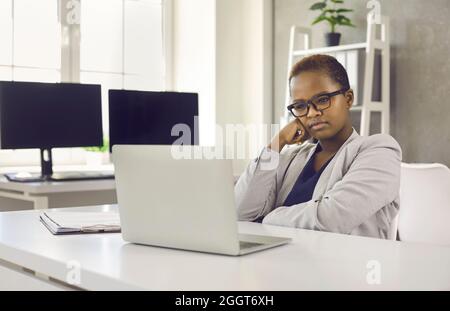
x=180, y=203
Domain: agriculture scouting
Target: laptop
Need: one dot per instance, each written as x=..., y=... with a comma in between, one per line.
x=180, y=203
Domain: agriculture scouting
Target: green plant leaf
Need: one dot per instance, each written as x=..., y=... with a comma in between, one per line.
x=333, y=16
x=345, y=22
x=318, y=6
x=103, y=148
x=332, y=20
x=344, y=10
x=319, y=19
x=342, y=18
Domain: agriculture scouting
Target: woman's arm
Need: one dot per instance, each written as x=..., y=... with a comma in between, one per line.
x=256, y=189
x=372, y=182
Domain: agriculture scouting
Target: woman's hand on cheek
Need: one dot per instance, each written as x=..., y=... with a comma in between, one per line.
x=300, y=136
x=293, y=133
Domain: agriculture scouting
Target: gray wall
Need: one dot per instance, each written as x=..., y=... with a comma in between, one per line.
x=420, y=67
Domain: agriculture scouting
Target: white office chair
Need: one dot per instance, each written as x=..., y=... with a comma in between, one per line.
x=394, y=232
x=425, y=203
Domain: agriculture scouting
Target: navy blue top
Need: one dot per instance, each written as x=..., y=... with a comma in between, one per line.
x=303, y=189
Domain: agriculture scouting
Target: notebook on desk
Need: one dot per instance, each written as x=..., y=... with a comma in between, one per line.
x=77, y=222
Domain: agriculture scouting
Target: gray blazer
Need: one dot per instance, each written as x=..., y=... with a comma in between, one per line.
x=357, y=193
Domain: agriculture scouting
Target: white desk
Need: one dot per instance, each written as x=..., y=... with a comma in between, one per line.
x=313, y=261
x=43, y=195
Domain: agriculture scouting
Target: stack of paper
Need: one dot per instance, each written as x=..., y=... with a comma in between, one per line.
x=77, y=222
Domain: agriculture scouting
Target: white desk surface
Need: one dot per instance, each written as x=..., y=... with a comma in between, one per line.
x=313, y=261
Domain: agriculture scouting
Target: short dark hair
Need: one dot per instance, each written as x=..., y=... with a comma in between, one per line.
x=322, y=63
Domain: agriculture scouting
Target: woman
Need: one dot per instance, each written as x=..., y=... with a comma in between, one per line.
x=345, y=183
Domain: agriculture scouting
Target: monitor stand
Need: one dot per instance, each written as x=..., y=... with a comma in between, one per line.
x=48, y=175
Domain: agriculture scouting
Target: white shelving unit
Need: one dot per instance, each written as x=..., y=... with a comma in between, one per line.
x=348, y=55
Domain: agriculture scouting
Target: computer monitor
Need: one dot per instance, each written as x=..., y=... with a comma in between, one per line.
x=49, y=115
x=148, y=118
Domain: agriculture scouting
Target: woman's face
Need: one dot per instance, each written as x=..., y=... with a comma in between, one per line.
x=325, y=124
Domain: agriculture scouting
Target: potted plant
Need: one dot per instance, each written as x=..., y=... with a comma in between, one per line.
x=96, y=156
x=335, y=16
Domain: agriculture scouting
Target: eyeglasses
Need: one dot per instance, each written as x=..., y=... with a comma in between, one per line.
x=320, y=103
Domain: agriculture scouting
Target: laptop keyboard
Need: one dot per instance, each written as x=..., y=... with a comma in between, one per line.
x=244, y=245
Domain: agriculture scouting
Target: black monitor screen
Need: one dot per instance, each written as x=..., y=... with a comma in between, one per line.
x=147, y=118
x=50, y=115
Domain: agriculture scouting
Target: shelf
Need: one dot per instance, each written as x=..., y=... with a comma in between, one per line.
x=331, y=49
x=373, y=108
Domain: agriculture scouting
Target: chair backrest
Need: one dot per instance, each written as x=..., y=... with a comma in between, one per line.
x=425, y=203
x=394, y=232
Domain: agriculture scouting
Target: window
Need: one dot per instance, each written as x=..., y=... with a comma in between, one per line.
x=28, y=25
x=122, y=49
x=120, y=46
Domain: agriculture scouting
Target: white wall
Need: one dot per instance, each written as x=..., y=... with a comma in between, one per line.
x=244, y=58
x=257, y=60
x=194, y=58
x=244, y=66
x=229, y=46
x=223, y=50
